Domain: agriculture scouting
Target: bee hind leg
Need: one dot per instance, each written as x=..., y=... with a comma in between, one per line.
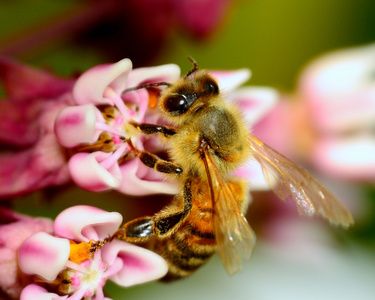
x=167, y=222
x=137, y=230
x=161, y=225
x=141, y=229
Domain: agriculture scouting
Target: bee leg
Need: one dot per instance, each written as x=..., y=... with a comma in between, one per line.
x=138, y=230
x=163, y=166
x=163, y=224
x=147, y=128
x=166, y=223
x=154, y=162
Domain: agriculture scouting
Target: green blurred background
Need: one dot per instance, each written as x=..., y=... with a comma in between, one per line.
x=273, y=38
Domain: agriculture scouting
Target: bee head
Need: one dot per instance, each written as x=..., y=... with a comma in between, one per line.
x=189, y=93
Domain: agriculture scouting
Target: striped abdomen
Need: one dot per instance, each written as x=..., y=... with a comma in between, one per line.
x=193, y=243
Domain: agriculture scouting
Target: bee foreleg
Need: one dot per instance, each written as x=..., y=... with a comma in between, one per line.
x=147, y=128
x=163, y=166
x=154, y=162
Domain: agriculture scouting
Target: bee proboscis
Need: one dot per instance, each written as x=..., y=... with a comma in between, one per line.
x=207, y=142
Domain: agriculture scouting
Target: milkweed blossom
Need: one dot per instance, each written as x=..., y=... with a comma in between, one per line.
x=14, y=229
x=338, y=89
x=34, y=159
x=100, y=121
x=70, y=264
x=97, y=127
x=328, y=121
x=74, y=129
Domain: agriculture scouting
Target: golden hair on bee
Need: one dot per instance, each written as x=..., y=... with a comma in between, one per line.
x=207, y=140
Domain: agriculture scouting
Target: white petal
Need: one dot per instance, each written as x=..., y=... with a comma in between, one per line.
x=230, y=80
x=139, y=265
x=44, y=255
x=165, y=73
x=75, y=125
x=91, y=85
x=254, y=102
x=88, y=173
x=83, y=223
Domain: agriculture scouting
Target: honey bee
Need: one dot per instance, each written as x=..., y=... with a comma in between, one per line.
x=208, y=140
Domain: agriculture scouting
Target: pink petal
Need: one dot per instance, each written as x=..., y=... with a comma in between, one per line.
x=253, y=173
x=44, y=255
x=22, y=122
x=163, y=73
x=254, y=102
x=339, y=89
x=348, y=158
x=33, y=82
x=91, y=85
x=281, y=131
x=139, y=180
x=19, y=121
x=87, y=172
x=33, y=292
x=141, y=99
x=75, y=125
x=140, y=265
x=230, y=80
x=14, y=229
x=83, y=223
x=28, y=170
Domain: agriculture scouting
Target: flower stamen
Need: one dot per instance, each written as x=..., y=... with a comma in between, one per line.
x=107, y=163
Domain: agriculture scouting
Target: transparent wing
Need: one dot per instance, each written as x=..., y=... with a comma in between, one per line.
x=294, y=182
x=234, y=237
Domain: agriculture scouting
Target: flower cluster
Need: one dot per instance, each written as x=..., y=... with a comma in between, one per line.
x=100, y=122
x=26, y=124
x=85, y=121
x=78, y=258
x=338, y=90
x=97, y=126
x=333, y=113
x=77, y=129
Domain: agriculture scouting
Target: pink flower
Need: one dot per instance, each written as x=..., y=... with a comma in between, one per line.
x=69, y=266
x=26, y=123
x=103, y=130
x=102, y=119
x=91, y=120
x=14, y=229
x=338, y=89
x=328, y=123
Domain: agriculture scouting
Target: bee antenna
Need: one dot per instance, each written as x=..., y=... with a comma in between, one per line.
x=195, y=66
x=145, y=86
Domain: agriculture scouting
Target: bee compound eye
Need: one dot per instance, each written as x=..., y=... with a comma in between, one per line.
x=176, y=103
x=179, y=103
x=211, y=87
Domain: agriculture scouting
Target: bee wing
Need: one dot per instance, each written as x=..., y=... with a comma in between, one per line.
x=234, y=237
x=294, y=182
